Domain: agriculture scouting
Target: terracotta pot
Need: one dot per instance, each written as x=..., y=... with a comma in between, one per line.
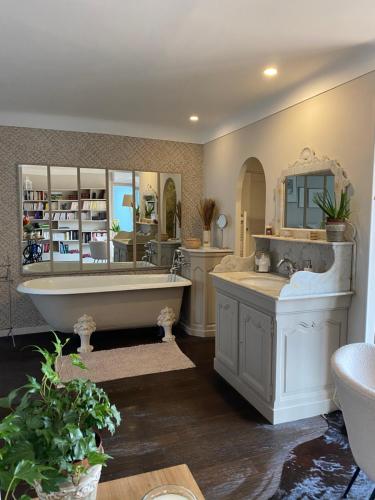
x=335, y=229
x=84, y=489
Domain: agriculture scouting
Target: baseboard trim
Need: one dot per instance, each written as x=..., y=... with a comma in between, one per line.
x=26, y=330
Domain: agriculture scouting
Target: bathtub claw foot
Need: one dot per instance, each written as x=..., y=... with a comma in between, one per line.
x=84, y=327
x=166, y=319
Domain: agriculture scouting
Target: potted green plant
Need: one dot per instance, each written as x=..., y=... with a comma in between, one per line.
x=115, y=227
x=148, y=211
x=49, y=439
x=336, y=213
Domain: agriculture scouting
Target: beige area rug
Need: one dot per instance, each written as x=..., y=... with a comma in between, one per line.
x=126, y=362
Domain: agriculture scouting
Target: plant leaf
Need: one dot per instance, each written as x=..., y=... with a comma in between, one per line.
x=77, y=361
x=29, y=472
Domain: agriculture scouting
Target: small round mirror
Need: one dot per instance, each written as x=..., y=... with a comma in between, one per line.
x=222, y=221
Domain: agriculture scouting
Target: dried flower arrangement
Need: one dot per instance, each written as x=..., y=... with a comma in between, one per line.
x=206, y=210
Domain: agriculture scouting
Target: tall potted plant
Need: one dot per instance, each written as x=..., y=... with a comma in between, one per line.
x=206, y=210
x=336, y=213
x=49, y=440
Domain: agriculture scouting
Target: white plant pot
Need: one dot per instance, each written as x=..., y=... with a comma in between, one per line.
x=335, y=231
x=85, y=489
x=206, y=238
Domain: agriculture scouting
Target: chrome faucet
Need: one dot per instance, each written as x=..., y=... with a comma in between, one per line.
x=291, y=266
x=177, y=264
x=149, y=252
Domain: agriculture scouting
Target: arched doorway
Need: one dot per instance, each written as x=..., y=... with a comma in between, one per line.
x=170, y=203
x=251, y=205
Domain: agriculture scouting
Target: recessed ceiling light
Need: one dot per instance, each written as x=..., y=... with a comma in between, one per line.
x=271, y=71
x=194, y=118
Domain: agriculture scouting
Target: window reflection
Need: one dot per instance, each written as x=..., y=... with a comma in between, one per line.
x=300, y=191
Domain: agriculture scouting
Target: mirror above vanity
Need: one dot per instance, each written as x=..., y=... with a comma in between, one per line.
x=77, y=219
x=298, y=185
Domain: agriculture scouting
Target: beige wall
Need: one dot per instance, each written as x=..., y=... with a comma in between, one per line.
x=37, y=146
x=340, y=124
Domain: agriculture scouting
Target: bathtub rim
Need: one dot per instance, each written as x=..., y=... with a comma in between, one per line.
x=29, y=290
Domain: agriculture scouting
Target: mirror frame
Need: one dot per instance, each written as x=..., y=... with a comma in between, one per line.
x=307, y=163
x=108, y=268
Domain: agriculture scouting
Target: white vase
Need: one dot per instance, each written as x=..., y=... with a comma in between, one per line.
x=206, y=238
x=85, y=489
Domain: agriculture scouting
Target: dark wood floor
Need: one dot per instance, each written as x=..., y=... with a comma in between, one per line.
x=188, y=416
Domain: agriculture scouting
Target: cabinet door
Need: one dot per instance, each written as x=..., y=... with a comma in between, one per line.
x=226, y=343
x=255, y=350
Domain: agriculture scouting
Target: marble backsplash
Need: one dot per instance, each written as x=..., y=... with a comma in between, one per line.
x=321, y=256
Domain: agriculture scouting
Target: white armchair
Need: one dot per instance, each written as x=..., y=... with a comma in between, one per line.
x=354, y=374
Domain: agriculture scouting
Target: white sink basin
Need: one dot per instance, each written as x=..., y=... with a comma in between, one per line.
x=264, y=281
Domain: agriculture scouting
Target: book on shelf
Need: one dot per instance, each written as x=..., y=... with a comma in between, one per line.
x=63, y=247
x=34, y=206
x=34, y=195
x=94, y=205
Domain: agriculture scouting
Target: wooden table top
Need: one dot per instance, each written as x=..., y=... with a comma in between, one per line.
x=135, y=487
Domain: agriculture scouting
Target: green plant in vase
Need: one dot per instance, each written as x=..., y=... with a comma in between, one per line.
x=337, y=213
x=49, y=439
x=148, y=211
x=115, y=227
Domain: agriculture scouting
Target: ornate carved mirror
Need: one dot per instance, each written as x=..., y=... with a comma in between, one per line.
x=300, y=183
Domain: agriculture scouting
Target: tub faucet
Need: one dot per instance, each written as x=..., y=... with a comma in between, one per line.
x=149, y=252
x=291, y=266
x=177, y=264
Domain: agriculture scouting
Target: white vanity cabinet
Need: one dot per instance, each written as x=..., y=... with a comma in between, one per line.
x=276, y=352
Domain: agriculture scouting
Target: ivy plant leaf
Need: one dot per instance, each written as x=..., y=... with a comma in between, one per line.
x=25, y=497
x=5, y=480
x=77, y=361
x=29, y=472
x=51, y=480
x=20, y=450
x=7, y=401
x=97, y=458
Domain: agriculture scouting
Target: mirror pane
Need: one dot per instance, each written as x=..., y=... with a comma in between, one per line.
x=147, y=219
x=121, y=205
x=170, y=217
x=36, y=256
x=64, y=219
x=93, y=196
x=300, y=191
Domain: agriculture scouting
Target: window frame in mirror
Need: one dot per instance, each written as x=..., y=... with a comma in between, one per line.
x=307, y=164
x=108, y=268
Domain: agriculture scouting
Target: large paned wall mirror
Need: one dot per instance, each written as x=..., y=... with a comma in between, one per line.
x=76, y=219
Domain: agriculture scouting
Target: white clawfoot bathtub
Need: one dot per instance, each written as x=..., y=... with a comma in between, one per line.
x=110, y=302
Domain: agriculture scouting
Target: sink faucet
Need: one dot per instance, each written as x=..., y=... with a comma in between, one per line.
x=291, y=266
x=177, y=264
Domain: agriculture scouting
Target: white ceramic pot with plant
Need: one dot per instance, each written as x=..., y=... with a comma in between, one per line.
x=336, y=214
x=49, y=439
x=206, y=210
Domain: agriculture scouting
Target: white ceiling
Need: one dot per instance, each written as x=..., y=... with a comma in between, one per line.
x=142, y=67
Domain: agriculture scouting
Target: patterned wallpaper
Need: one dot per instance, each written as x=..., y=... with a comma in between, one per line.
x=39, y=146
